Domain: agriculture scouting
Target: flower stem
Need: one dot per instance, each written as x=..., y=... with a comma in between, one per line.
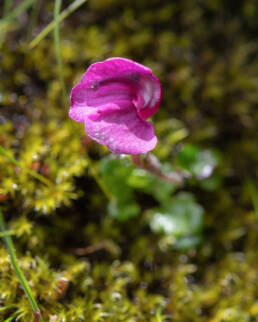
x=151, y=164
x=11, y=251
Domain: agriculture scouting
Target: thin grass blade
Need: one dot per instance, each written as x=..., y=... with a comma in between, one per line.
x=57, y=8
x=7, y=7
x=11, y=251
x=32, y=173
x=33, y=18
x=15, y=13
x=64, y=14
x=7, y=307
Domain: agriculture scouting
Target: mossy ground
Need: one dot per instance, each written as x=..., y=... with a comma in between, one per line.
x=84, y=264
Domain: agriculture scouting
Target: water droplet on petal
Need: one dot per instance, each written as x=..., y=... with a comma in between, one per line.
x=94, y=85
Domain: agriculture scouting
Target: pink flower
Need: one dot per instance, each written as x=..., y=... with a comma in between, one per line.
x=113, y=100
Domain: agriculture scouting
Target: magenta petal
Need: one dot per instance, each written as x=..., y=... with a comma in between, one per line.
x=120, y=129
x=78, y=109
x=112, y=67
x=125, y=76
x=113, y=100
x=148, y=96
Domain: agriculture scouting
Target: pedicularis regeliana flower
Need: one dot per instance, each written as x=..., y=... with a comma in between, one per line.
x=113, y=100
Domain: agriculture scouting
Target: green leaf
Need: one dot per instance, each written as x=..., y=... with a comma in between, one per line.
x=115, y=175
x=201, y=163
x=151, y=184
x=180, y=217
x=188, y=242
x=139, y=179
x=123, y=211
x=212, y=183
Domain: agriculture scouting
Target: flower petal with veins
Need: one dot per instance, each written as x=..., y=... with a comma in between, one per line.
x=120, y=129
x=113, y=100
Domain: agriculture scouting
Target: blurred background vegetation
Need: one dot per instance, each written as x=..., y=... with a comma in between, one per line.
x=159, y=252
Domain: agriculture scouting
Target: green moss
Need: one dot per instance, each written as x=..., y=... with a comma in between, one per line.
x=81, y=262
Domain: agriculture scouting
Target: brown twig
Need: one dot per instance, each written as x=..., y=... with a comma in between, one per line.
x=151, y=164
x=37, y=315
x=90, y=249
x=107, y=245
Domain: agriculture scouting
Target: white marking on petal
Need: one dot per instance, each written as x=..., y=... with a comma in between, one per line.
x=150, y=92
